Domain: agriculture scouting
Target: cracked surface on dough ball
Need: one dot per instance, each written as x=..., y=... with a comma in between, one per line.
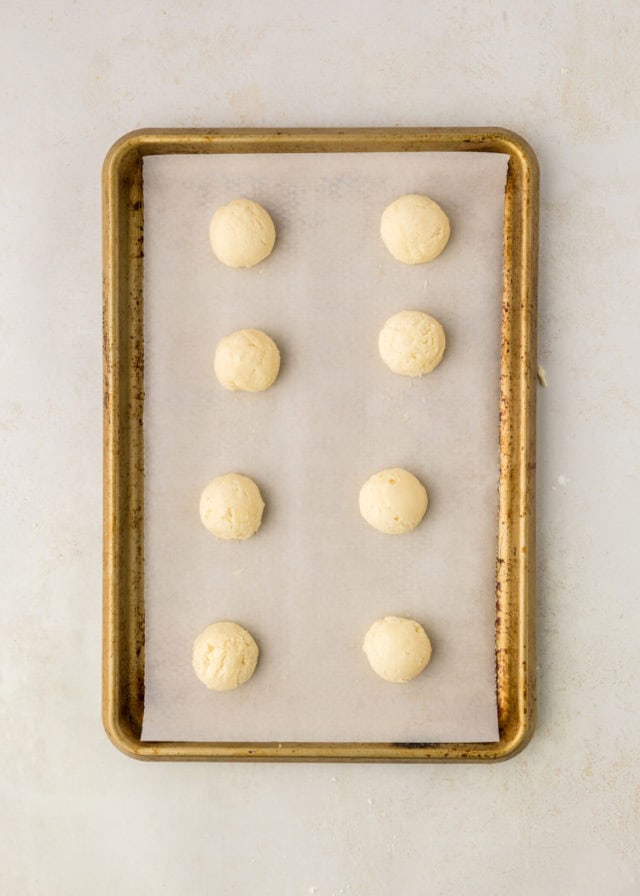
x=247, y=361
x=414, y=229
x=231, y=507
x=242, y=233
x=412, y=343
x=224, y=656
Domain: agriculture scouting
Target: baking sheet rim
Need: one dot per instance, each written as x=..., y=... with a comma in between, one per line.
x=123, y=592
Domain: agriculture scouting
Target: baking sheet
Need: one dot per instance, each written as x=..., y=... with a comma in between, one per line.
x=310, y=583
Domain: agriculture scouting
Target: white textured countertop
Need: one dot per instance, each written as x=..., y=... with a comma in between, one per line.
x=78, y=817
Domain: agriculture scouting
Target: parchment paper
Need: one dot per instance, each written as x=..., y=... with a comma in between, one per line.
x=314, y=578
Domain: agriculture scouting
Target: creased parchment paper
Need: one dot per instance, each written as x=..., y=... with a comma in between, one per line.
x=314, y=578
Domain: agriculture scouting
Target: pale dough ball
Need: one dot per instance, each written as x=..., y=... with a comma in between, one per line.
x=398, y=649
x=414, y=229
x=224, y=656
x=231, y=507
x=393, y=501
x=412, y=343
x=242, y=233
x=247, y=360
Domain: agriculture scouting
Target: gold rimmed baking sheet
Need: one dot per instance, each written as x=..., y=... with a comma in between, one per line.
x=124, y=599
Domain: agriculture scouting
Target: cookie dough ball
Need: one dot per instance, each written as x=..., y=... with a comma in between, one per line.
x=414, y=229
x=224, y=656
x=231, y=507
x=412, y=343
x=247, y=360
x=242, y=234
x=398, y=649
x=393, y=501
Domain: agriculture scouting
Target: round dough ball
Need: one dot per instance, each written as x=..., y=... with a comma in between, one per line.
x=224, y=656
x=414, y=229
x=398, y=649
x=412, y=343
x=231, y=507
x=242, y=233
x=393, y=501
x=247, y=360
